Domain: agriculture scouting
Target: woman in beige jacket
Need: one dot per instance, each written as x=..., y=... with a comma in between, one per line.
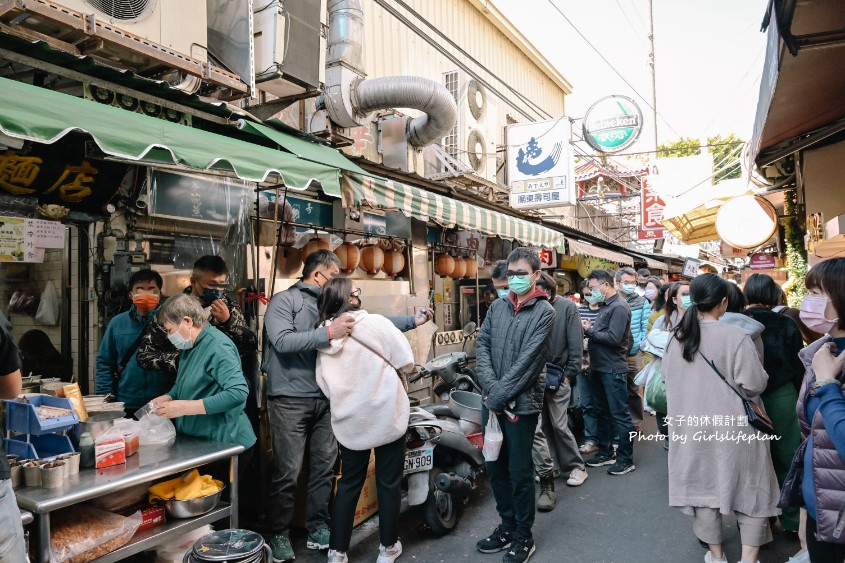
x=718, y=463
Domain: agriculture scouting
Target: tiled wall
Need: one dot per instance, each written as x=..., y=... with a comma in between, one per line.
x=50, y=269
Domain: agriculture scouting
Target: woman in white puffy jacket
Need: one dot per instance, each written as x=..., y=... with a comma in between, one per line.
x=369, y=410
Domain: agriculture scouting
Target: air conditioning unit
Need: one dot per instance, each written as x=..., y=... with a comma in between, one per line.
x=110, y=98
x=473, y=140
x=180, y=25
x=290, y=46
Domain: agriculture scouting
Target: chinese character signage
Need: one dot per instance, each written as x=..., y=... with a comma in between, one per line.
x=651, y=210
x=24, y=240
x=60, y=174
x=539, y=164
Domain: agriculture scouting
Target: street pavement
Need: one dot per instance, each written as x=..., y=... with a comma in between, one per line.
x=609, y=519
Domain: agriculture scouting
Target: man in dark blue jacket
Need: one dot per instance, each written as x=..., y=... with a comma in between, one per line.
x=511, y=354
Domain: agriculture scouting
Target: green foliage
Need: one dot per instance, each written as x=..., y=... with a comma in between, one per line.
x=682, y=147
x=796, y=255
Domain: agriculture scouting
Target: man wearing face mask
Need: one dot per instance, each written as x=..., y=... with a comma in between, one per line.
x=626, y=284
x=208, y=286
x=298, y=410
x=117, y=371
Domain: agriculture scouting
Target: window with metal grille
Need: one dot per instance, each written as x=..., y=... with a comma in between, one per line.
x=450, y=141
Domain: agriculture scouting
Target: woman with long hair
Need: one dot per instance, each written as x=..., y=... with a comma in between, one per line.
x=40, y=357
x=718, y=463
x=369, y=410
x=658, y=304
x=820, y=464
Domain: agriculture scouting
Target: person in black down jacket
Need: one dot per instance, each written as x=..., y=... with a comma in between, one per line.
x=781, y=344
x=511, y=354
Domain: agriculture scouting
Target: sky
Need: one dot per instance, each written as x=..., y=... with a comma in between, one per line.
x=709, y=58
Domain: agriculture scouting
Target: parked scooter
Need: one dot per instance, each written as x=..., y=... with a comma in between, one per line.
x=443, y=456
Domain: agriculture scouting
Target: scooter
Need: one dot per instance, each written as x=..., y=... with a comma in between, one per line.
x=444, y=444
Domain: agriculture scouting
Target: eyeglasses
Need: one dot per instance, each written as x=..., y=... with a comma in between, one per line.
x=355, y=292
x=519, y=274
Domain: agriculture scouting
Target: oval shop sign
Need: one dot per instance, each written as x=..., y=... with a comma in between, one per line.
x=613, y=124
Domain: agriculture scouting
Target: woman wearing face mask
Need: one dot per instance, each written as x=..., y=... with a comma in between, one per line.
x=369, y=410
x=210, y=393
x=819, y=464
x=717, y=467
x=588, y=310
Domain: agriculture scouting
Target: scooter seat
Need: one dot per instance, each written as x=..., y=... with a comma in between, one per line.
x=440, y=409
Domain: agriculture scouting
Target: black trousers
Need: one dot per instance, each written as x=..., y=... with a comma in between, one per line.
x=820, y=551
x=390, y=467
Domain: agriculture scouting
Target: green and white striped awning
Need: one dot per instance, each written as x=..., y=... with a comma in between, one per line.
x=380, y=193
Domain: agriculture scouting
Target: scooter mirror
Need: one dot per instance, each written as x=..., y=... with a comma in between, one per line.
x=469, y=329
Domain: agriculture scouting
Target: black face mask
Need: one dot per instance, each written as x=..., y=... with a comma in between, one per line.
x=642, y=285
x=209, y=296
x=356, y=305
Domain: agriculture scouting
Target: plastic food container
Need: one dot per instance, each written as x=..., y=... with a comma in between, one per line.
x=133, y=441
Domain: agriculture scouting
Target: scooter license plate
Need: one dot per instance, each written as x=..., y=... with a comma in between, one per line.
x=419, y=460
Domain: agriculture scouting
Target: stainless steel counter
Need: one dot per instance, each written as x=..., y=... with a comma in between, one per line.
x=149, y=464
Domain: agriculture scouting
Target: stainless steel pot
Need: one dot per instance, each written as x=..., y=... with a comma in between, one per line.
x=97, y=424
x=466, y=405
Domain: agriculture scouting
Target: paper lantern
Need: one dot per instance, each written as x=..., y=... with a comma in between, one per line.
x=349, y=256
x=443, y=265
x=394, y=262
x=288, y=262
x=314, y=245
x=372, y=259
x=471, y=267
x=746, y=221
x=459, y=270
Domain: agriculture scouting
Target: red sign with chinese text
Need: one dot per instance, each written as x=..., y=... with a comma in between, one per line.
x=651, y=210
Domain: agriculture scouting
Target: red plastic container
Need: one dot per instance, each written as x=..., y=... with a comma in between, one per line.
x=476, y=439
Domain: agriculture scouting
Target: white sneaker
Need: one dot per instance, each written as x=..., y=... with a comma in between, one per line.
x=337, y=557
x=588, y=448
x=577, y=477
x=389, y=554
x=708, y=558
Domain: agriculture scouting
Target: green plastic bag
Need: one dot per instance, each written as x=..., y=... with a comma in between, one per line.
x=655, y=392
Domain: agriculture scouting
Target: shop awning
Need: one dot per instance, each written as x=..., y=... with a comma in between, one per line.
x=587, y=249
x=302, y=148
x=44, y=116
x=692, y=216
x=381, y=193
x=804, y=72
x=651, y=263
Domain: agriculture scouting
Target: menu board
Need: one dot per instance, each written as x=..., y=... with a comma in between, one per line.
x=24, y=240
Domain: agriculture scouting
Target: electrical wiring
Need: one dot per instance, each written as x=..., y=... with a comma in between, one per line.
x=613, y=68
x=631, y=24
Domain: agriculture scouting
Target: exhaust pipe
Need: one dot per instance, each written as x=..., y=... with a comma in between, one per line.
x=450, y=483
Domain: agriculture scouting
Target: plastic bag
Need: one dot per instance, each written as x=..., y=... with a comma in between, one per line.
x=48, y=308
x=493, y=439
x=24, y=302
x=84, y=533
x=656, y=391
x=155, y=430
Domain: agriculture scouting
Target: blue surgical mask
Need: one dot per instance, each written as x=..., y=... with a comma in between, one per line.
x=686, y=301
x=597, y=295
x=179, y=341
x=503, y=293
x=520, y=284
x=629, y=288
x=590, y=299
x=210, y=295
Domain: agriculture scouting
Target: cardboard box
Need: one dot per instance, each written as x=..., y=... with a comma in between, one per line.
x=109, y=449
x=152, y=516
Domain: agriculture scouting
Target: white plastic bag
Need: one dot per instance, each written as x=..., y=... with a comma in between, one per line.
x=155, y=430
x=48, y=308
x=493, y=439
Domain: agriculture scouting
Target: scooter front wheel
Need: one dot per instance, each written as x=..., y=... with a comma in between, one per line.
x=440, y=509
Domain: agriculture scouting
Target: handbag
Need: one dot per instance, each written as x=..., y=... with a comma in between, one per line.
x=380, y=355
x=757, y=417
x=554, y=377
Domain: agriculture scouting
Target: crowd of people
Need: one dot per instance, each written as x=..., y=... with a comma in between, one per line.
x=747, y=394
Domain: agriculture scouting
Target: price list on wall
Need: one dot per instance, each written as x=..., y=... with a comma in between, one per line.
x=25, y=240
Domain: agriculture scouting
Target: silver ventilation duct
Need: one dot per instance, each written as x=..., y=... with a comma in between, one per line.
x=350, y=98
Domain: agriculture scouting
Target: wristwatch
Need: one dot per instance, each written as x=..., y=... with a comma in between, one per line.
x=819, y=383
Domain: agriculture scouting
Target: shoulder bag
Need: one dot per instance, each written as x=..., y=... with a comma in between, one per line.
x=380, y=355
x=757, y=417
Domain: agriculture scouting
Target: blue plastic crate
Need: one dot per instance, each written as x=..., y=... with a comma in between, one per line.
x=21, y=417
x=48, y=445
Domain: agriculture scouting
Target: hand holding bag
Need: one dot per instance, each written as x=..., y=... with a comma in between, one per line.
x=493, y=438
x=757, y=417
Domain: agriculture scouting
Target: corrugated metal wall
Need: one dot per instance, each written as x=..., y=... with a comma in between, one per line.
x=393, y=48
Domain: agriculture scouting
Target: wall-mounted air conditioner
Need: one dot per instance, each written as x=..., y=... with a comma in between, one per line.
x=473, y=140
x=180, y=25
x=290, y=46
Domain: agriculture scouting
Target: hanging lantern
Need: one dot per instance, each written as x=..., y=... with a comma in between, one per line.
x=372, y=259
x=443, y=265
x=471, y=267
x=349, y=256
x=288, y=262
x=314, y=245
x=460, y=269
x=394, y=262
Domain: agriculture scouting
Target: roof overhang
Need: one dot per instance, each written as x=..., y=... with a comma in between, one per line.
x=692, y=216
x=803, y=77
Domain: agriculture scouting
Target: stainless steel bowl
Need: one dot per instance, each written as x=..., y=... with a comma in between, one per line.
x=466, y=405
x=194, y=507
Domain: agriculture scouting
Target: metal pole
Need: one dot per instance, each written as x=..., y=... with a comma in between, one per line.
x=651, y=64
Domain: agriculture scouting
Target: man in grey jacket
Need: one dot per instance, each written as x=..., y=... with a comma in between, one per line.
x=511, y=354
x=298, y=411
